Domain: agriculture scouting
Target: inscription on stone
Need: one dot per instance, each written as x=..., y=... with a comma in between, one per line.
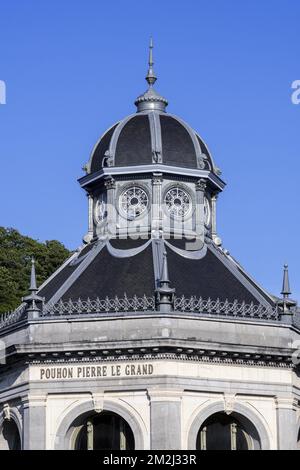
x=94, y=371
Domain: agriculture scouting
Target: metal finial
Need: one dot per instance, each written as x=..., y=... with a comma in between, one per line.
x=33, y=287
x=151, y=52
x=164, y=293
x=164, y=278
x=286, y=304
x=151, y=77
x=286, y=290
x=32, y=299
x=151, y=100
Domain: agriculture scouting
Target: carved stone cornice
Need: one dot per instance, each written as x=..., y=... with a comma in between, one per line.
x=164, y=353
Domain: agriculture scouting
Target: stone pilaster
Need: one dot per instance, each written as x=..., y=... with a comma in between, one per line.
x=214, y=216
x=165, y=412
x=34, y=422
x=156, y=216
x=90, y=219
x=200, y=216
x=90, y=233
x=110, y=185
x=287, y=432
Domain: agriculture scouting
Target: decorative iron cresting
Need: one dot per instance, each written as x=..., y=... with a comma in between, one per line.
x=194, y=305
x=14, y=316
x=107, y=305
x=232, y=309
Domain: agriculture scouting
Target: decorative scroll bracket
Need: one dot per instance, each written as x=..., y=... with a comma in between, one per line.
x=229, y=401
x=98, y=400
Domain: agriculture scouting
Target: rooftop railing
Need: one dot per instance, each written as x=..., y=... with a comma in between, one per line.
x=12, y=317
x=193, y=305
x=107, y=305
x=226, y=308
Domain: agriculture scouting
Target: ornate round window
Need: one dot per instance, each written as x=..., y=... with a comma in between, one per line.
x=133, y=202
x=178, y=202
x=100, y=212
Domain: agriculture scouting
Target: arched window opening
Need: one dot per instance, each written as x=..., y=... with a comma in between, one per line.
x=225, y=432
x=104, y=431
x=9, y=436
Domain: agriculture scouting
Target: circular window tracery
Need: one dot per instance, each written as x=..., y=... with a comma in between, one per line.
x=178, y=202
x=133, y=202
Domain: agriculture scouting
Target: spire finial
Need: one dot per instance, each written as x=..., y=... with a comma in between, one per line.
x=164, y=293
x=151, y=100
x=32, y=299
x=33, y=287
x=164, y=278
x=286, y=304
x=286, y=290
x=151, y=77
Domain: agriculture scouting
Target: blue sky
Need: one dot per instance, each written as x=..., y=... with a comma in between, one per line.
x=72, y=68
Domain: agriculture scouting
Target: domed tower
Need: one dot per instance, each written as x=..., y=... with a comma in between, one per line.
x=152, y=187
x=151, y=335
x=151, y=174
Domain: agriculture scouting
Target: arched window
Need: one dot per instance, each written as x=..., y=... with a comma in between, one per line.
x=104, y=431
x=224, y=432
x=9, y=436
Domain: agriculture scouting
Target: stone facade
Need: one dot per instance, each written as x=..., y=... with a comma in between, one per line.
x=166, y=377
x=151, y=335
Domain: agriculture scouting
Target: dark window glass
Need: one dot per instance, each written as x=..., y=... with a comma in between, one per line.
x=10, y=436
x=106, y=431
x=222, y=432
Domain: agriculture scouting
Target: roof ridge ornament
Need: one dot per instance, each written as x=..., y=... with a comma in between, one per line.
x=151, y=100
x=165, y=295
x=33, y=286
x=164, y=279
x=151, y=77
x=286, y=290
x=32, y=299
x=287, y=305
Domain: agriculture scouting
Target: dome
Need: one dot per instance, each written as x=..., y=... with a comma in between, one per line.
x=151, y=136
x=148, y=137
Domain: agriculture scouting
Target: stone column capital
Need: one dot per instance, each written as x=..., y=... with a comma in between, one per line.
x=165, y=395
x=109, y=182
x=157, y=178
x=201, y=185
x=33, y=400
x=287, y=403
x=6, y=412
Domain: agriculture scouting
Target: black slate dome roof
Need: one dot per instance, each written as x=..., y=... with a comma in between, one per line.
x=150, y=137
x=115, y=267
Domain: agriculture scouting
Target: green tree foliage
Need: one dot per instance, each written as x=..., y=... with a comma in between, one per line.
x=16, y=251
